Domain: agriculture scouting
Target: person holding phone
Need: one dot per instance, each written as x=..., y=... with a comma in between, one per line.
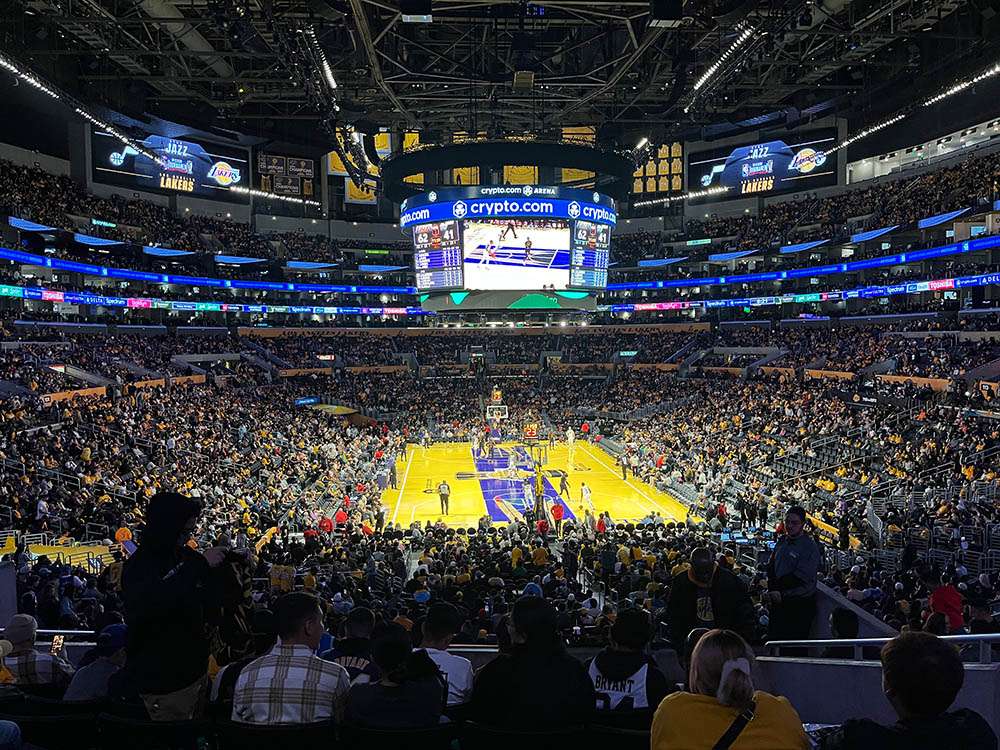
x=170, y=598
x=31, y=667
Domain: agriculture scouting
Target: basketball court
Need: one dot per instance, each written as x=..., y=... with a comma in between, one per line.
x=497, y=483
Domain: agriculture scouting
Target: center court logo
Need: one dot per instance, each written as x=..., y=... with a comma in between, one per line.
x=574, y=210
x=459, y=210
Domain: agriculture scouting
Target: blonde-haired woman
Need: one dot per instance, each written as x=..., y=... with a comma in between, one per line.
x=723, y=711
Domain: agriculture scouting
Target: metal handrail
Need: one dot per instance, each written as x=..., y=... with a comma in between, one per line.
x=985, y=641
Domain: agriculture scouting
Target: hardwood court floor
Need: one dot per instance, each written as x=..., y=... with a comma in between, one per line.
x=494, y=484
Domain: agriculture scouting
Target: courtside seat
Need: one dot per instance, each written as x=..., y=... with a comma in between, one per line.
x=480, y=737
x=601, y=736
x=115, y=732
x=432, y=738
x=233, y=735
x=53, y=724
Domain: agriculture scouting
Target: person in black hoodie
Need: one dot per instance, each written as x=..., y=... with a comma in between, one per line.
x=627, y=680
x=170, y=597
x=537, y=681
x=921, y=677
x=708, y=596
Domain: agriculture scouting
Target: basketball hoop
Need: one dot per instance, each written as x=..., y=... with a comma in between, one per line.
x=496, y=412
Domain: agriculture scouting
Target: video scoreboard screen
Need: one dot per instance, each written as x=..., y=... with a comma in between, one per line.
x=796, y=163
x=510, y=237
x=437, y=255
x=204, y=169
x=588, y=265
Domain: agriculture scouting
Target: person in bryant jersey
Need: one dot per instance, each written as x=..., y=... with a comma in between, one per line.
x=354, y=651
x=625, y=677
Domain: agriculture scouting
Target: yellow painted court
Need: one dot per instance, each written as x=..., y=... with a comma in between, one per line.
x=492, y=484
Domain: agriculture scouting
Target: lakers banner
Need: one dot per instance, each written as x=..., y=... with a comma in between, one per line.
x=520, y=175
x=54, y=398
x=410, y=142
x=355, y=194
x=586, y=134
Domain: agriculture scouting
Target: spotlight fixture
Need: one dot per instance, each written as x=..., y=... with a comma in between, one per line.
x=745, y=31
x=322, y=63
x=962, y=85
x=272, y=196
x=27, y=77
x=868, y=131
x=416, y=11
x=685, y=196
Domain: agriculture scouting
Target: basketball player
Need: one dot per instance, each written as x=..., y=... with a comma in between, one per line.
x=491, y=253
x=527, y=250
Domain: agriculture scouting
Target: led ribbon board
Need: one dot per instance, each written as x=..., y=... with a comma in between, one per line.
x=84, y=298
x=508, y=201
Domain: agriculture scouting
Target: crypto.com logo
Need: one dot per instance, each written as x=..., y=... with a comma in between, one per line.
x=459, y=210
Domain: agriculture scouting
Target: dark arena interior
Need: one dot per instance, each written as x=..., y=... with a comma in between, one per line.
x=461, y=374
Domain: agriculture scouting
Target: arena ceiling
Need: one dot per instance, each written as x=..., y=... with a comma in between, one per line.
x=239, y=64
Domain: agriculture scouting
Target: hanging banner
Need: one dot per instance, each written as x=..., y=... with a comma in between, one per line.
x=411, y=141
x=465, y=176
x=355, y=194
x=586, y=134
x=520, y=175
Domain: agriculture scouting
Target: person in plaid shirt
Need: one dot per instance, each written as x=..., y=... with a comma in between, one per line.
x=28, y=666
x=291, y=685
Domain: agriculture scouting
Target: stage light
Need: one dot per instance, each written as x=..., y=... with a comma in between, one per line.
x=132, y=144
x=962, y=85
x=416, y=11
x=27, y=77
x=745, y=31
x=272, y=196
x=686, y=196
x=641, y=144
x=324, y=65
x=868, y=131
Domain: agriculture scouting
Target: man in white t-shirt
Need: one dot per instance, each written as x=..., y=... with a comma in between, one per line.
x=439, y=628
